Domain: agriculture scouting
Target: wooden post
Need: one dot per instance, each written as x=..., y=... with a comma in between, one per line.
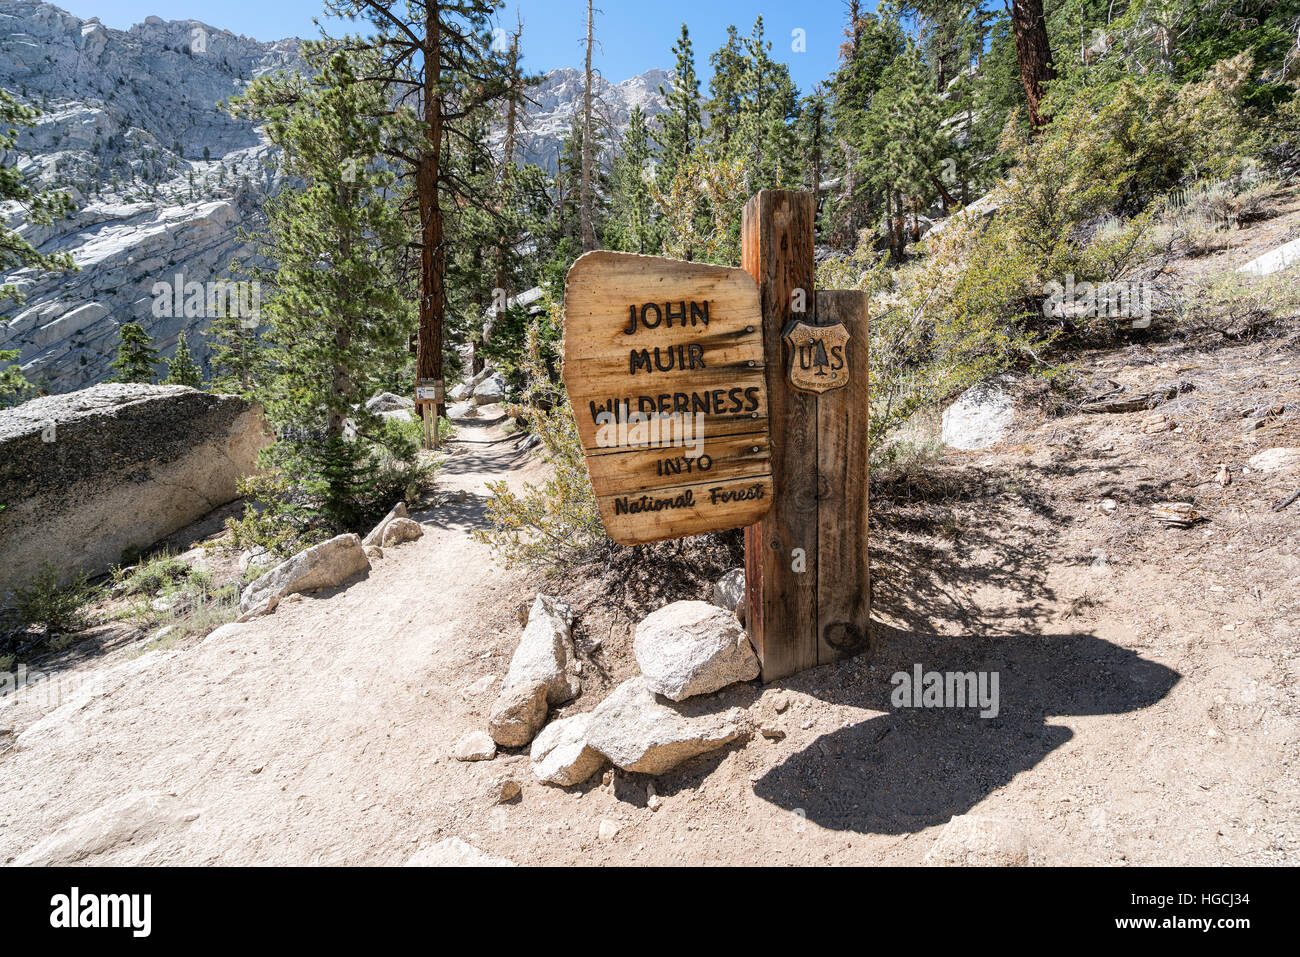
x=806, y=567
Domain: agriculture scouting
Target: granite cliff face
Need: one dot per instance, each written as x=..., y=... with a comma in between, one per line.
x=549, y=118
x=162, y=178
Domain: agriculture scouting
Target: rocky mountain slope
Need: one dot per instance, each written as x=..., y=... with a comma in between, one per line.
x=554, y=105
x=162, y=179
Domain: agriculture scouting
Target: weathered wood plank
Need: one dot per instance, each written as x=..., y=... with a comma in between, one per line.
x=777, y=250
x=664, y=366
x=843, y=570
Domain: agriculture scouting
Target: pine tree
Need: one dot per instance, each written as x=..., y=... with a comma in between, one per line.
x=904, y=145
x=769, y=105
x=42, y=208
x=585, y=205
x=1033, y=54
x=726, y=91
x=181, y=368
x=632, y=226
x=681, y=126
x=136, y=355
x=337, y=318
x=436, y=57
x=872, y=43
x=238, y=360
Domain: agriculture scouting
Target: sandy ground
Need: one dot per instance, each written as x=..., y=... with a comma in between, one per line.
x=1148, y=680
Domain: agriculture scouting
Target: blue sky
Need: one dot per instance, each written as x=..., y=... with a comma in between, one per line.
x=635, y=35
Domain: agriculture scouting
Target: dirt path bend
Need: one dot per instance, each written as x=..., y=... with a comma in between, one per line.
x=315, y=735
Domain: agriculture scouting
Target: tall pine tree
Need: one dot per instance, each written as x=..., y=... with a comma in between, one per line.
x=337, y=319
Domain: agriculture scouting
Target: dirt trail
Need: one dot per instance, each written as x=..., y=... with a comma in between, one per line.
x=316, y=735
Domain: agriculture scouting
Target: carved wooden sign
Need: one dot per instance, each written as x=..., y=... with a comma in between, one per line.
x=663, y=363
x=818, y=359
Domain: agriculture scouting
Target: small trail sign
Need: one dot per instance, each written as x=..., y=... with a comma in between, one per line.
x=664, y=366
x=428, y=390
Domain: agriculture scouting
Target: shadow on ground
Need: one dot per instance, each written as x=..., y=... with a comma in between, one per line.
x=466, y=509
x=912, y=768
x=965, y=569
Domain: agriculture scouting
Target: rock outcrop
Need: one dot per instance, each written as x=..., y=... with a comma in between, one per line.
x=453, y=852
x=979, y=418
x=326, y=565
x=162, y=178
x=637, y=732
x=561, y=754
x=729, y=591
x=969, y=840
x=376, y=536
x=88, y=476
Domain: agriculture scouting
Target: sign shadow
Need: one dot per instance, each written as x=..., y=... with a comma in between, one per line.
x=916, y=767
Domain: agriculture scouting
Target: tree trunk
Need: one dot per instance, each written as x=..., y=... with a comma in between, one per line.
x=588, y=229
x=1033, y=55
x=433, y=257
x=500, y=286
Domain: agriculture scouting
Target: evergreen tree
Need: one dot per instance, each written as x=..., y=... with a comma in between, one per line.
x=435, y=59
x=136, y=355
x=181, y=368
x=337, y=319
x=726, y=91
x=632, y=226
x=904, y=145
x=769, y=106
x=238, y=360
x=681, y=126
x=42, y=208
x=871, y=44
x=13, y=384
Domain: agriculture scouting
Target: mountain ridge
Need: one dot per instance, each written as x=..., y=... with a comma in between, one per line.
x=161, y=178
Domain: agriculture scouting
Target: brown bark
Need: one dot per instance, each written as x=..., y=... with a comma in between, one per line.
x=948, y=201
x=433, y=257
x=584, y=208
x=1033, y=55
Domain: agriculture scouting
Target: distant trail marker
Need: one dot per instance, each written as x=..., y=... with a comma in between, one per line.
x=664, y=366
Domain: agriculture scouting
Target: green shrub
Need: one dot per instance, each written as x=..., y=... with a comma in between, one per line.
x=554, y=524
x=56, y=608
x=308, y=491
x=149, y=577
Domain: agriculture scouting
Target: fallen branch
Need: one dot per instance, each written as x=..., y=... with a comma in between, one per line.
x=1287, y=501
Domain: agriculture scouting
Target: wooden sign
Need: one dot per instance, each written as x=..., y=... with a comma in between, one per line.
x=429, y=390
x=807, y=574
x=819, y=360
x=663, y=362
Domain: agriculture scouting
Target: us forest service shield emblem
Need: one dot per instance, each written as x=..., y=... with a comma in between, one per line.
x=818, y=360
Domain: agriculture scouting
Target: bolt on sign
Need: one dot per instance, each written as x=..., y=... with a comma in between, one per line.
x=663, y=363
